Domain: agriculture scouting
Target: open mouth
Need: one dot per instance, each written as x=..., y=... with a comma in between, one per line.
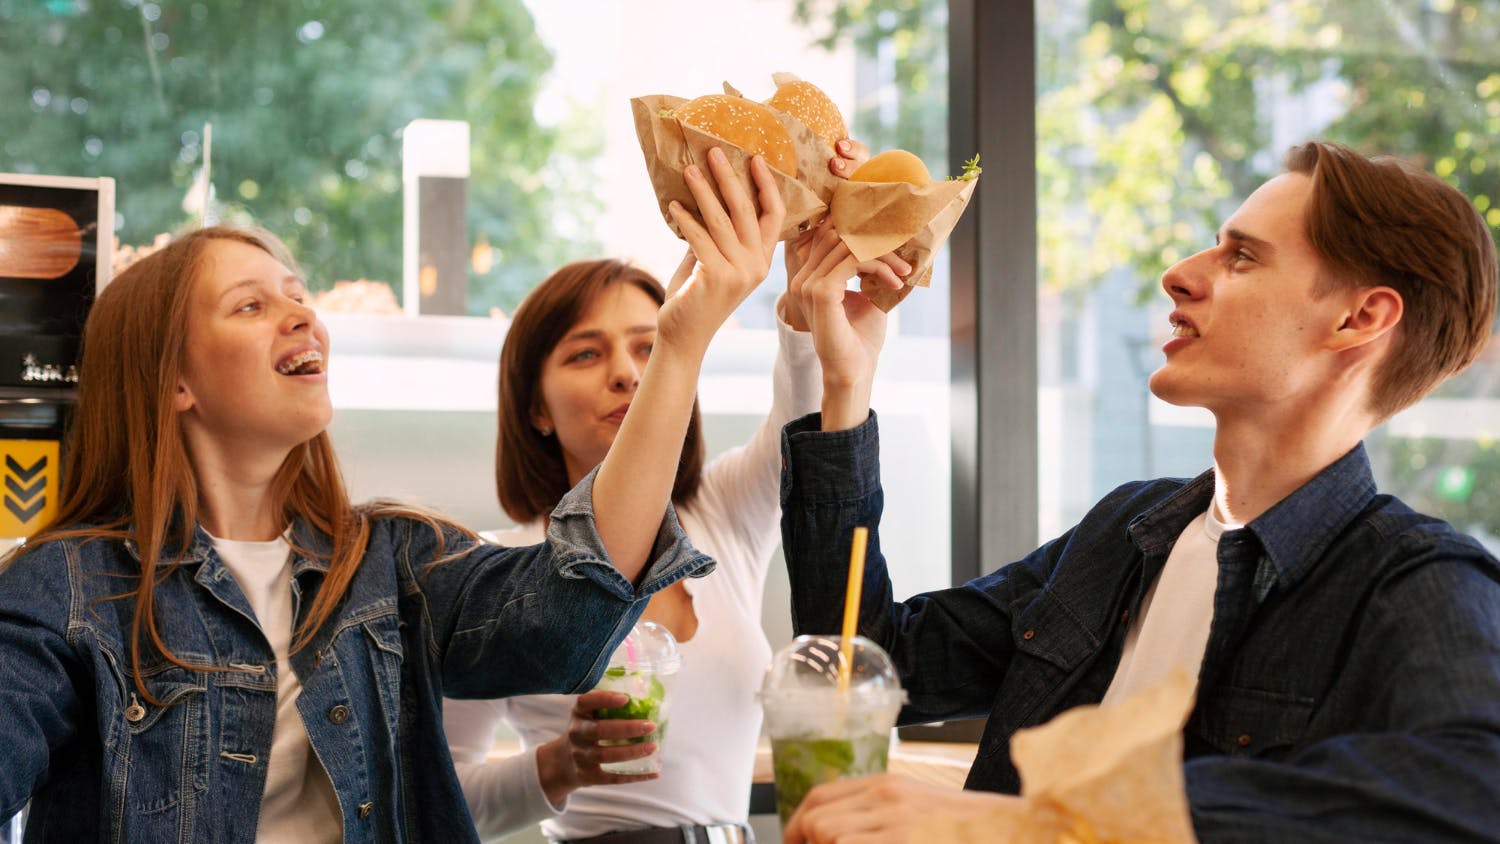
x=308, y=362
x=1183, y=328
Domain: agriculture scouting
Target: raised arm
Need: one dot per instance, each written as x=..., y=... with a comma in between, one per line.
x=733, y=250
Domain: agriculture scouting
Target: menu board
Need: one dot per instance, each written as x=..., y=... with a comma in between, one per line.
x=56, y=238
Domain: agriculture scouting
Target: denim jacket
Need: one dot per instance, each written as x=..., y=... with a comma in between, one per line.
x=1351, y=686
x=100, y=763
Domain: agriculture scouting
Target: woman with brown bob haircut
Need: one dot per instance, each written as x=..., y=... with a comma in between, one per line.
x=210, y=643
x=531, y=474
x=568, y=371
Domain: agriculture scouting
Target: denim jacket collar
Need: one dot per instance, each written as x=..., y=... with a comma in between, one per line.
x=1294, y=532
x=1298, y=529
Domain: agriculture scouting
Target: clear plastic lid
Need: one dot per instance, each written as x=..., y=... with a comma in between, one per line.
x=648, y=647
x=809, y=667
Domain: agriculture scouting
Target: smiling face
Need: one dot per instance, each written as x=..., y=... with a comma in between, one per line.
x=253, y=363
x=1249, y=332
x=590, y=377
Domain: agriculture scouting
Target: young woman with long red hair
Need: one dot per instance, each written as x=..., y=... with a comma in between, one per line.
x=211, y=643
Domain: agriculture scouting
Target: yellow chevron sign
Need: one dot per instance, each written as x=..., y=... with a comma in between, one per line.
x=29, y=499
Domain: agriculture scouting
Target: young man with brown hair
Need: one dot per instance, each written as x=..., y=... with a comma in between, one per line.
x=1346, y=648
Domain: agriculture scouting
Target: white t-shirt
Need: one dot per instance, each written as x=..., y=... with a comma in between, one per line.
x=709, y=748
x=299, y=804
x=1171, y=626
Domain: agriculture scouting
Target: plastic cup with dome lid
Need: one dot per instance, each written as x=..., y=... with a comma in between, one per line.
x=643, y=668
x=820, y=732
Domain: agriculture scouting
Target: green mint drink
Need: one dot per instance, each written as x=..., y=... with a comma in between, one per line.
x=642, y=669
x=801, y=763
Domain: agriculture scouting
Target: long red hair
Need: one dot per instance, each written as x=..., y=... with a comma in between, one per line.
x=127, y=476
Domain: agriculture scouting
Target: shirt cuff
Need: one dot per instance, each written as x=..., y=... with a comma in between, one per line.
x=534, y=794
x=829, y=466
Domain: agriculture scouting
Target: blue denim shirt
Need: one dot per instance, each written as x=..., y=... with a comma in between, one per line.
x=1351, y=685
x=492, y=622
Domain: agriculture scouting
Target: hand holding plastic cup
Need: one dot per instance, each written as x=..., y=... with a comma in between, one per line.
x=643, y=668
x=818, y=732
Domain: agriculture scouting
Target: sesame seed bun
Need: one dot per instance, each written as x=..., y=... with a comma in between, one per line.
x=746, y=124
x=807, y=102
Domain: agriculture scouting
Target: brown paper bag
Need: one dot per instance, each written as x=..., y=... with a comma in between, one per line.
x=1104, y=775
x=874, y=218
x=669, y=147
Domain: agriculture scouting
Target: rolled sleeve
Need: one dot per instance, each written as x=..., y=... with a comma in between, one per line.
x=579, y=553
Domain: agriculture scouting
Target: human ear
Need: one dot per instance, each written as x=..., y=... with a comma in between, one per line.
x=183, y=400
x=542, y=422
x=1372, y=313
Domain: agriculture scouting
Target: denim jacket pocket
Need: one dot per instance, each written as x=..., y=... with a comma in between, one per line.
x=1044, y=628
x=164, y=757
x=1050, y=645
x=387, y=654
x=1249, y=722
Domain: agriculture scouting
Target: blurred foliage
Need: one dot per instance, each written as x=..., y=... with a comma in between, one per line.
x=307, y=99
x=1155, y=118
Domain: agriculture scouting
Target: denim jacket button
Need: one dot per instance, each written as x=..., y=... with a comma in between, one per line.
x=1028, y=635
x=339, y=714
x=365, y=809
x=134, y=712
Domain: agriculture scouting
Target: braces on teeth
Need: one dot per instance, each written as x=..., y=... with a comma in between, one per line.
x=304, y=363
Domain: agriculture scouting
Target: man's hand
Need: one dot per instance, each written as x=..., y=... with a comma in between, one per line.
x=849, y=155
x=884, y=809
x=847, y=329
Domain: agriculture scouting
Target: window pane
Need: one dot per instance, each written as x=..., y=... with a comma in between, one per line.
x=300, y=110
x=1155, y=119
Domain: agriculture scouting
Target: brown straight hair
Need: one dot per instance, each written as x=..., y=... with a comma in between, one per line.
x=127, y=476
x=530, y=475
x=1383, y=221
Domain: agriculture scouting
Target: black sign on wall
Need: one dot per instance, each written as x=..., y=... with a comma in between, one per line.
x=56, y=236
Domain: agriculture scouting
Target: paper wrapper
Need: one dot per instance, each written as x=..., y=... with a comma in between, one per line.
x=874, y=218
x=669, y=147
x=1096, y=775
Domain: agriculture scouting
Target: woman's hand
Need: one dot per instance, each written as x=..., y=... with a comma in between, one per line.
x=850, y=154
x=572, y=760
x=847, y=329
x=886, y=809
x=733, y=248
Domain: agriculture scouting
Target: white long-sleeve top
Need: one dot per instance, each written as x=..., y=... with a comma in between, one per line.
x=709, y=747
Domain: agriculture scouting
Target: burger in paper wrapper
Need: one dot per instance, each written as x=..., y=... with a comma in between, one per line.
x=1096, y=775
x=737, y=126
x=810, y=106
x=873, y=217
x=890, y=204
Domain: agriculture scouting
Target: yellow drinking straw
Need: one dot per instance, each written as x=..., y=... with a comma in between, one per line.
x=851, y=605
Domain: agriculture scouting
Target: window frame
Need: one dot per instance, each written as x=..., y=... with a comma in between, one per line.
x=993, y=294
